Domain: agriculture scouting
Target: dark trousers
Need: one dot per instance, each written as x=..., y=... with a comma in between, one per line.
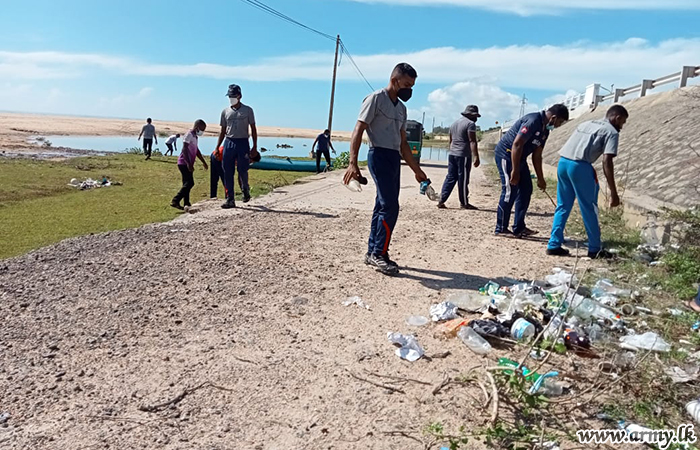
x=326, y=154
x=518, y=195
x=147, y=147
x=385, y=168
x=169, y=150
x=216, y=173
x=236, y=153
x=458, y=170
x=187, y=185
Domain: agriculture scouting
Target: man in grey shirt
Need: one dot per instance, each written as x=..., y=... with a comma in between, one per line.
x=577, y=179
x=463, y=146
x=148, y=132
x=383, y=116
x=237, y=125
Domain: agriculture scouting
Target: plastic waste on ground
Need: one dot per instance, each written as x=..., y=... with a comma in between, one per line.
x=560, y=277
x=4, y=417
x=417, y=321
x=471, y=339
x=353, y=185
x=573, y=340
x=490, y=288
x=538, y=381
x=605, y=287
x=554, y=328
x=522, y=330
x=449, y=329
x=489, y=328
x=678, y=375
x=633, y=428
x=356, y=301
x=693, y=409
x=469, y=301
x=89, y=183
x=646, y=341
x=443, y=311
x=410, y=349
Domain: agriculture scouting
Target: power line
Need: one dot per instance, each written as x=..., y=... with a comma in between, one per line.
x=268, y=9
x=355, y=66
x=273, y=12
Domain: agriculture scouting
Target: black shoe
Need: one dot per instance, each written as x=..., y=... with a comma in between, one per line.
x=246, y=197
x=469, y=206
x=602, y=254
x=391, y=263
x=559, y=251
x=176, y=205
x=441, y=206
x=383, y=265
x=229, y=204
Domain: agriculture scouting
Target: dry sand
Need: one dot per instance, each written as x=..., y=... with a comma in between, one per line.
x=17, y=129
x=250, y=300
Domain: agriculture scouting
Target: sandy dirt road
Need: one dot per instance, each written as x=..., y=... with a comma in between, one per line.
x=249, y=303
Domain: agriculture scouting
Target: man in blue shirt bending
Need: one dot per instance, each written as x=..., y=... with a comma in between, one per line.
x=526, y=137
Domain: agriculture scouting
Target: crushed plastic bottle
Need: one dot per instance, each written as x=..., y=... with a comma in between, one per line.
x=551, y=388
x=476, y=343
x=354, y=185
x=431, y=194
x=560, y=278
x=491, y=288
x=410, y=349
x=646, y=341
x=469, y=301
x=693, y=409
x=605, y=287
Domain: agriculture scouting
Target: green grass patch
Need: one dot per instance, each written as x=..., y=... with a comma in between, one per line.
x=38, y=208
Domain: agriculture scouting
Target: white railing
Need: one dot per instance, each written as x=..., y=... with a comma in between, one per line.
x=580, y=103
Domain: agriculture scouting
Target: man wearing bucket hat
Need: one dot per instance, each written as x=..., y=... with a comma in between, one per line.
x=463, y=148
x=237, y=125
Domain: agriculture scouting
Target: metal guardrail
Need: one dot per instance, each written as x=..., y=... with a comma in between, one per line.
x=678, y=77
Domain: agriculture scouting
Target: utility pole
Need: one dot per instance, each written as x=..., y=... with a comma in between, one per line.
x=422, y=122
x=335, y=72
x=433, y=130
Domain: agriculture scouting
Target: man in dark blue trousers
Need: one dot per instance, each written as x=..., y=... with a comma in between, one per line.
x=526, y=137
x=463, y=148
x=383, y=116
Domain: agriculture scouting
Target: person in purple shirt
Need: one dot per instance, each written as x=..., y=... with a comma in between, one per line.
x=185, y=163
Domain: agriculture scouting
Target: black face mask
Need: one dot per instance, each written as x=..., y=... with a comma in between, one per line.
x=405, y=94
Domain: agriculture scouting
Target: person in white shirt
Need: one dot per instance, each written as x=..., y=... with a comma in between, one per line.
x=171, y=143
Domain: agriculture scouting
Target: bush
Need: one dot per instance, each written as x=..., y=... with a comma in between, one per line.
x=342, y=161
x=134, y=151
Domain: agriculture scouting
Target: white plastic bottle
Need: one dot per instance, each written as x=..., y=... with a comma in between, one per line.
x=354, y=185
x=474, y=341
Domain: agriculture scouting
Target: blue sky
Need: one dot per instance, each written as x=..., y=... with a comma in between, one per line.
x=173, y=59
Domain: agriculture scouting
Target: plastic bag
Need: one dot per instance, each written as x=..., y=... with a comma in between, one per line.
x=410, y=348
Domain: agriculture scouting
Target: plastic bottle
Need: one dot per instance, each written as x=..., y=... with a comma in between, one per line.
x=583, y=308
x=469, y=301
x=554, y=328
x=354, y=185
x=431, y=194
x=424, y=186
x=471, y=339
x=693, y=409
x=522, y=330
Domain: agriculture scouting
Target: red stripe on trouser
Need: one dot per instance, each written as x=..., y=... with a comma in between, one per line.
x=388, y=237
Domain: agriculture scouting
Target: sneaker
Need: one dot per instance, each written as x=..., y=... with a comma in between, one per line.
x=229, y=204
x=602, y=254
x=382, y=264
x=176, y=205
x=388, y=260
x=528, y=232
x=505, y=233
x=558, y=251
x=441, y=206
x=469, y=206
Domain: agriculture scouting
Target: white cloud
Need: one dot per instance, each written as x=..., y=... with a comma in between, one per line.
x=547, y=67
x=122, y=100
x=544, y=7
x=495, y=104
x=559, y=98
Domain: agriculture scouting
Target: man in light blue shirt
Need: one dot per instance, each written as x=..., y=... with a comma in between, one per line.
x=577, y=179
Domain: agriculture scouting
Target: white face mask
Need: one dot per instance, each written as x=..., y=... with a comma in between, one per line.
x=200, y=132
x=234, y=101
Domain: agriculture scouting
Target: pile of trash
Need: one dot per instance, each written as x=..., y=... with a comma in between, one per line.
x=89, y=183
x=551, y=312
